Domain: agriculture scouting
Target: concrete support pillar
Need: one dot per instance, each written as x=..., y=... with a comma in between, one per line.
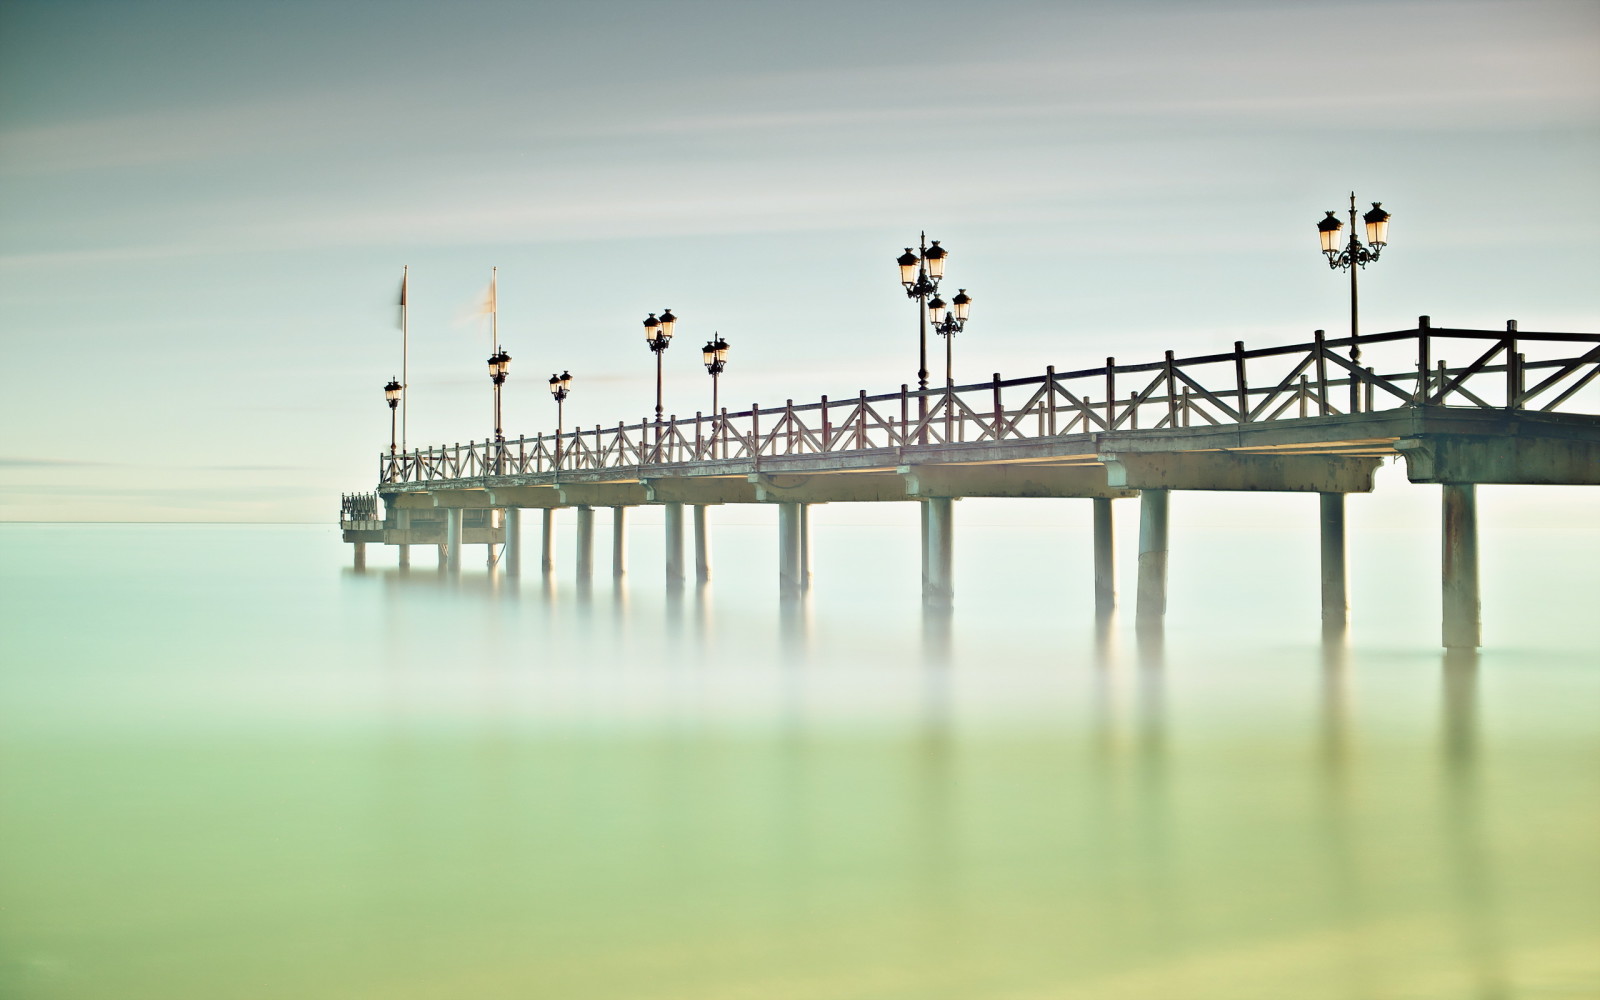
x=702, y=545
x=1460, y=565
x=1151, y=610
x=360, y=554
x=489, y=522
x=405, y=557
x=452, y=539
x=805, y=546
x=547, y=553
x=444, y=558
x=513, y=555
x=1335, y=589
x=922, y=537
x=1105, y=565
x=585, y=543
x=674, y=533
x=789, y=546
x=619, y=542
x=939, y=543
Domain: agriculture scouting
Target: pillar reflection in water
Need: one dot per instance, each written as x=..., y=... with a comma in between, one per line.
x=1465, y=833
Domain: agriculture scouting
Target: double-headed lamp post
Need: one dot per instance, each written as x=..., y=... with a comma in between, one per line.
x=560, y=385
x=920, y=273
x=499, y=368
x=1353, y=256
x=949, y=320
x=715, y=356
x=658, y=336
x=391, y=392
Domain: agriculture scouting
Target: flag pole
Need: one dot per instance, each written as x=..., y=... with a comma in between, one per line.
x=405, y=350
x=494, y=318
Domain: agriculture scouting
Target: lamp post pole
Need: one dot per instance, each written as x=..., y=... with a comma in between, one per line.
x=658, y=336
x=391, y=393
x=949, y=320
x=499, y=368
x=1354, y=256
x=560, y=385
x=715, y=356
x=920, y=273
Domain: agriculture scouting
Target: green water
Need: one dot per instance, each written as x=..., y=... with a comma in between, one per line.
x=230, y=767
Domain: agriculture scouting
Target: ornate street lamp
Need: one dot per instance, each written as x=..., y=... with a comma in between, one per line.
x=715, y=356
x=658, y=336
x=391, y=392
x=560, y=385
x=921, y=271
x=1354, y=256
x=499, y=367
x=949, y=320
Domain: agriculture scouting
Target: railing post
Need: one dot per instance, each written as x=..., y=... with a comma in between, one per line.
x=1172, y=392
x=861, y=419
x=905, y=414
x=827, y=427
x=999, y=410
x=1239, y=379
x=1111, y=394
x=788, y=423
x=1513, y=369
x=755, y=432
x=1050, y=397
x=1322, y=373
x=699, y=444
x=1424, y=362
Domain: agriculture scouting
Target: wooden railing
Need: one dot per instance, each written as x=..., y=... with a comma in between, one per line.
x=1326, y=377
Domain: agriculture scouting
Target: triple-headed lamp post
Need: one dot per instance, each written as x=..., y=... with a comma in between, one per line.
x=715, y=356
x=499, y=368
x=1353, y=256
x=560, y=385
x=658, y=336
x=391, y=392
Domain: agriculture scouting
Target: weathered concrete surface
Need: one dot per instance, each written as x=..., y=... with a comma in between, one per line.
x=936, y=481
x=602, y=494
x=1150, y=608
x=701, y=490
x=461, y=499
x=843, y=488
x=1224, y=470
x=1532, y=460
x=537, y=497
x=1459, y=567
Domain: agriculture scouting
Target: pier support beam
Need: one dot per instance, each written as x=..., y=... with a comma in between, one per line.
x=360, y=554
x=702, y=545
x=452, y=539
x=805, y=546
x=939, y=542
x=585, y=543
x=513, y=554
x=405, y=557
x=674, y=540
x=619, y=542
x=1105, y=564
x=1460, y=566
x=1335, y=589
x=1151, y=611
x=547, y=542
x=791, y=549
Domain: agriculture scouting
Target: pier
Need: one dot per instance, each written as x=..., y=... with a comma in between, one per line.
x=1460, y=407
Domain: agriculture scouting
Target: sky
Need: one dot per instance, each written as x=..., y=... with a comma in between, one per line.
x=205, y=208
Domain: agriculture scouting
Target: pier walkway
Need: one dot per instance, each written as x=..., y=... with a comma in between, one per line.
x=1461, y=408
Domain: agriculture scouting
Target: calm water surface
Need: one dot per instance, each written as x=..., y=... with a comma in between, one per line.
x=232, y=767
